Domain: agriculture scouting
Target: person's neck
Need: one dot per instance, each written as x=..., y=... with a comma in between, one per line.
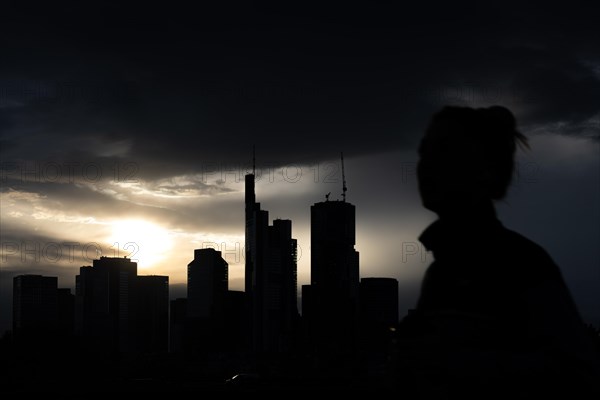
x=481, y=211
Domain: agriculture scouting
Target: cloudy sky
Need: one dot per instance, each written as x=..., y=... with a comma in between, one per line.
x=126, y=130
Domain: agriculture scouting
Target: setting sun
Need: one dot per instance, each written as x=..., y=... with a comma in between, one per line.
x=142, y=241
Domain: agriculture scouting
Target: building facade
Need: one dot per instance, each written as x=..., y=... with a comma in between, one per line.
x=271, y=278
x=334, y=290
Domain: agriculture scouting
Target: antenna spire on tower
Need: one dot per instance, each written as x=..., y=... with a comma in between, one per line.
x=253, y=160
x=344, y=188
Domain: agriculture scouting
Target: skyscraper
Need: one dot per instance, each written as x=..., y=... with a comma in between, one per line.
x=280, y=303
x=207, y=284
x=207, y=294
x=379, y=301
x=334, y=276
x=256, y=236
x=66, y=312
x=152, y=314
x=270, y=280
x=35, y=306
x=105, y=302
x=378, y=321
x=235, y=322
x=177, y=325
x=42, y=334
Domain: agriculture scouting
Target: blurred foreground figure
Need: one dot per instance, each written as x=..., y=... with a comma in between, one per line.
x=495, y=318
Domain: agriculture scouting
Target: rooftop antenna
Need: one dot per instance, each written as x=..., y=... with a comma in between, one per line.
x=344, y=188
x=253, y=160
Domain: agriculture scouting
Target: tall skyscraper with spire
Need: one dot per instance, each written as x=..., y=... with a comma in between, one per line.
x=251, y=208
x=270, y=276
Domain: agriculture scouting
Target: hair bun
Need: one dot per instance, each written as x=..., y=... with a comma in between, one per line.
x=502, y=117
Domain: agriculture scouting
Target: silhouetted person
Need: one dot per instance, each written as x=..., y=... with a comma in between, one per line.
x=495, y=318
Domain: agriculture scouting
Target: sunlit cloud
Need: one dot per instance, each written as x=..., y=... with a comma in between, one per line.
x=142, y=241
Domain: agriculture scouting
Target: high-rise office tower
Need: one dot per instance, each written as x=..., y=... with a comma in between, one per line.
x=270, y=280
x=379, y=301
x=256, y=235
x=280, y=303
x=177, y=324
x=42, y=333
x=207, y=284
x=105, y=305
x=35, y=306
x=66, y=312
x=207, y=293
x=378, y=321
x=334, y=275
x=152, y=314
x=235, y=322
x=43, y=314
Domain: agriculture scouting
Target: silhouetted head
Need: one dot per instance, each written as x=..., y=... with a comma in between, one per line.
x=466, y=158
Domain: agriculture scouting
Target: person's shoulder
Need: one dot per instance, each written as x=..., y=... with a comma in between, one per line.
x=521, y=242
x=532, y=258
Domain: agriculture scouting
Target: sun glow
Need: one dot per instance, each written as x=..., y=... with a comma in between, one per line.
x=142, y=241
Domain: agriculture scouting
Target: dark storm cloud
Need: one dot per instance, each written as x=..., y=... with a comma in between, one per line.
x=171, y=89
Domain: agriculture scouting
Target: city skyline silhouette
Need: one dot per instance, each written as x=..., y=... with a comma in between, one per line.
x=127, y=131
x=117, y=316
